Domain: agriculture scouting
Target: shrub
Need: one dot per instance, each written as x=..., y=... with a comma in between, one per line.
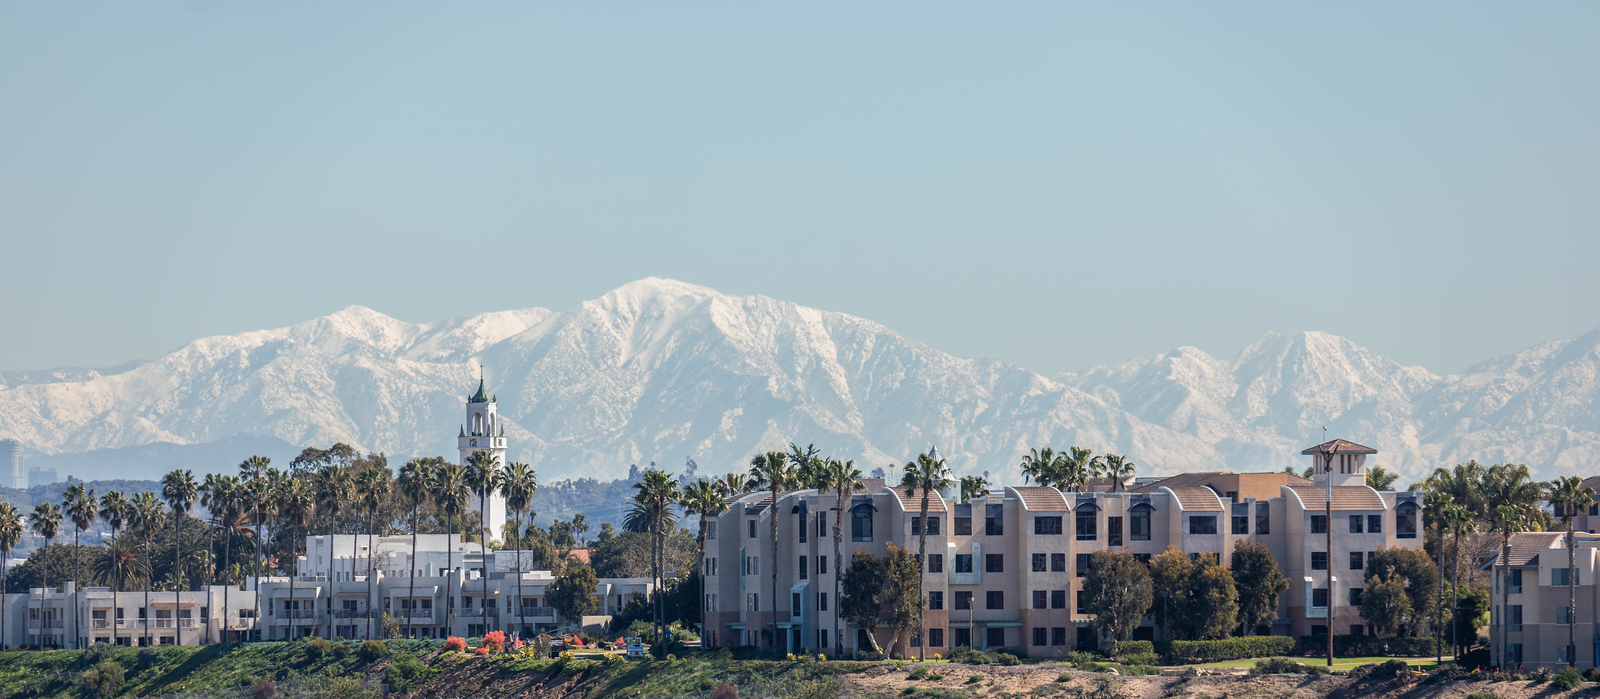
x=1411, y=647
x=1008, y=658
x=1127, y=648
x=1064, y=677
x=918, y=674
x=1187, y=652
x=341, y=650
x=725, y=691
x=455, y=643
x=1567, y=679
x=1483, y=695
x=1541, y=675
x=974, y=679
x=1077, y=656
x=148, y=656
x=1141, y=659
x=103, y=680
x=403, y=671
x=1446, y=673
x=373, y=649
x=1285, y=666
x=482, y=650
x=495, y=640
x=263, y=689
x=318, y=647
x=98, y=653
x=1476, y=659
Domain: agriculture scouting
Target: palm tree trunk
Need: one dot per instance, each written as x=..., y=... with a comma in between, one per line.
x=77, y=575
x=483, y=559
x=1438, y=605
x=1505, y=593
x=261, y=560
x=773, y=566
x=227, y=581
x=370, y=630
x=922, y=565
x=702, y=601
x=293, y=621
x=177, y=570
x=838, y=562
x=411, y=572
x=149, y=574
x=449, y=598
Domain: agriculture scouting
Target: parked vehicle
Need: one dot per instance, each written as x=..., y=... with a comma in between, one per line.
x=636, y=648
x=556, y=646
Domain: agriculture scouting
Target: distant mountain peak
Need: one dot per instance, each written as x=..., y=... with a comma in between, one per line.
x=662, y=370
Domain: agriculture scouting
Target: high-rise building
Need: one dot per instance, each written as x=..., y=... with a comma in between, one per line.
x=11, y=463
x=487, y=435
x=41, y=476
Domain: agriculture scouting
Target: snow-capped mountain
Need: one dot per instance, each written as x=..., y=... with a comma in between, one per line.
x=660, y=370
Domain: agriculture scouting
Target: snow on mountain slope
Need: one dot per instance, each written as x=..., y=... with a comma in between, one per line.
x=659, y=370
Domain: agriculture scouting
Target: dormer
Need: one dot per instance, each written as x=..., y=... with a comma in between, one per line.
x=1344, y=462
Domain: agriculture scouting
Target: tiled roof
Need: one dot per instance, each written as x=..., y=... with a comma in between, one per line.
x=1525, y=547
x=1298, y=480
x=1339, y=446
x=1345, y=497
x=1194, y=498
x=1040, y=498
x=914, y=504
x=1592, y=482
x=1180, y=480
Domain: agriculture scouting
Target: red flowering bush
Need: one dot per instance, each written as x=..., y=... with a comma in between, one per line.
x=482, y=650
x=455, y=643
x=495, y=640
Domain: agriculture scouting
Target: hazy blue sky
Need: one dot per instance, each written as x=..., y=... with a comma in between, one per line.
x=1053, y=184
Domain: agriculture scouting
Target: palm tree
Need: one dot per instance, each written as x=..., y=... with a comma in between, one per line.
x=416, y=483
x=844, y=479
x=372, y=488
x=179, y=490
x=255, y=472
x=1463, y=486
x=46, y=522
x=1115, y=467
x=297, y=504
x=148, y=513
x=654, y=495
x=120, y=562
x=485, y=477
x=705, y=499
x=1044, y=466
x=215, y=492
x=973, y=486
x=333, y=491
x=451, y=494
x=1453, y=516
x=116, y=510
x=80, y=506
x=773, y=472
x=1568, y=497
x=1514, y=496
x=517, y=488
x=10, y=536
x=1079, y=469
x=928, y=474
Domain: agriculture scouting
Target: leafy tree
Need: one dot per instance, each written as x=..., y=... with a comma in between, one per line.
x=652, y=513
x=1385, y=605
x=844, y=479
x=1568, y=497
x=973, y=486
x=903, y=593
x=416, y=484
x=1472, y=612
x=861, y=603
x=1117, y=590
x=773, y=471
x=703, y=498
x=572, y=593
x=451, y=493
x=103, y=680
x=1415, y=573
x=484, y=476
x=10, y=535
x=1214, y=608
x=1115, y=467
x=1169, y=573
x=372, y=486
x=1463, y=487
x=1259, y=581
x=518, y=487
x=1512, y=497
x=1380, y=478
x=1043, y=467
x=81, y=507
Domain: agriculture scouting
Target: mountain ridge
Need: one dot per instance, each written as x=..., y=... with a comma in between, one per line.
x=662, y=370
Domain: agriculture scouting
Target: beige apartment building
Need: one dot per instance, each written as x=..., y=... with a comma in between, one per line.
x=1005, y=569
x=1533, y=628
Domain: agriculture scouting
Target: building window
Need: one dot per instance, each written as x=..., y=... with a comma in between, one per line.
x=822, y=524
x=1241, y=525
x=1041, y=635
x=1082, y=608
x=1514, y=616
x=1142, y=558
x=1041, y=600
x=1355, y=523
x=1355, y=601
x=963, y=563
x=1405, y=521
x=1319, y=524
x=1058, y=563
x=1558, y=577
x=936, y=638
x=1516, y=580
x=1139, y=522
x=751, y=534
x=794, y=604
x=1082, y=564
x=963, y=599
x=1374, y=524
x=1087, y=519
x=1513, y=653
x=1232, y=495
x=822, y=565
x=933, y=526
x=1319, y=560
x=1058, y=599
x=822, y=638
x=1202, y=524
x=1038, y=563
x=936, y=600
x=963, y=526
x=994, y=563
x=1563, y=615
x=800, y=523
x=1263, y=518
x=1058, y=635
x=1113, y=531
x=935, y=563
x=1319, y=597
x=1047, y=526
x=994, y=599
x=995, y=637
x=861, y=523
x=1355, y=560
x=994, y=520
x=802, y=567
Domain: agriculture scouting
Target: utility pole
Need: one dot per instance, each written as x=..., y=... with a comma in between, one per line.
x=1333, y=599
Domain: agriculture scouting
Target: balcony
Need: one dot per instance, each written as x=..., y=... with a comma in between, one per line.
x=533, y=614
x=47, y=623
x=99, y=623
x=351, y=614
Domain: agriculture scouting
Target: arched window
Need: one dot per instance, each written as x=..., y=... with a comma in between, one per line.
x=1139, y=521
x=861, y=521
x=1405, y=520
x=1087, y=517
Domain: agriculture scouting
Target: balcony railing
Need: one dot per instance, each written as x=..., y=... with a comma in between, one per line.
x=350, y=614
x=47, y=623
x=538, y=612
x=297, y=614
x=100, y=623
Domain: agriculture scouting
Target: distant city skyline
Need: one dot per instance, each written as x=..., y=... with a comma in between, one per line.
x=1054, y=186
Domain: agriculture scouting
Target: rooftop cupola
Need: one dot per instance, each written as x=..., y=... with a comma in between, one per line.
x=1343, y=461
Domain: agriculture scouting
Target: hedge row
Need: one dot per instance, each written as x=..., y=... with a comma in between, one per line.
x=1126, y=648
x=1413, y=647
x=1184, y=652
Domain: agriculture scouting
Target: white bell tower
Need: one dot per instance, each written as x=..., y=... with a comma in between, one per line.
x=483, y=432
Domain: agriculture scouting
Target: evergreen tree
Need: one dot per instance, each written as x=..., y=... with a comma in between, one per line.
x=1259, y=581
x=1117, y=590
